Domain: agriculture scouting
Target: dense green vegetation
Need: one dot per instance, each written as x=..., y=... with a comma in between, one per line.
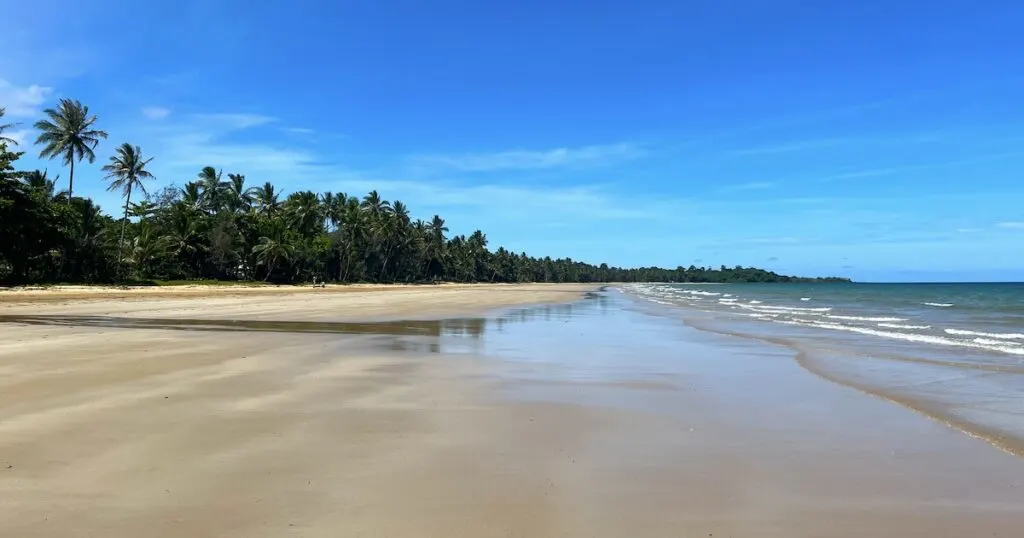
x=220, y=228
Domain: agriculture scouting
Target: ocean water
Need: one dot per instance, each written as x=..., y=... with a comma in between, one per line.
x=954, y=352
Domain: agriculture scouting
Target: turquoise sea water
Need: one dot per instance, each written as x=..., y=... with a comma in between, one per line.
x=952, y=351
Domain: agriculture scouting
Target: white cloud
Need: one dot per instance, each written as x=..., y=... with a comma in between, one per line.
x=22, y=101
x=238, y=143
x=1012, y=225
x=233, y=121
x=155, y=112
x=199, y=140
x=20, y=137
x=298, y=130
x=586, y=156
x=515, y=203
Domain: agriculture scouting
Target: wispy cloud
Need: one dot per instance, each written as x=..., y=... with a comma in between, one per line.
x=156, y=112
x=790, y=147
x=186, y=143
x=514, y=203
x=585, y=156
x=231, y=121
x=1011, y=225
x=22, y=101
x=298, y=130
x=20, y=137
x=192, y=141
x=751, y=186
x=876, y=172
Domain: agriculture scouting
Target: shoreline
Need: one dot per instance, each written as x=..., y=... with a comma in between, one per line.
x=26, y=294
x=341, y=303
x=558, y=412
x=822, y=363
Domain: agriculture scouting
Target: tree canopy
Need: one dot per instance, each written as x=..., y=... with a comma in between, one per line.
x=218, y=227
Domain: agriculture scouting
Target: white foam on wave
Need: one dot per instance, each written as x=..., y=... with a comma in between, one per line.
x=908, y=327
x=755, y=302
x=999, y=336
x=702, y=293
x=805, y=298
x=910, y=337
x=939, y=305
x=772, y=308
x=989, y=342
x=864, y=318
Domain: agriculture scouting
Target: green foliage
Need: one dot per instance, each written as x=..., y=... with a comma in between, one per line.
x=217, y=230
x=4, y=127
x=69, y=132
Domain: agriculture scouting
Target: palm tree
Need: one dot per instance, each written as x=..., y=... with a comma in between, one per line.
x=272, y=249
x=266, y=199
x=143, y=209
x=334, y=207
x=239, y=198
x=183, y=238
x=213, y=188
x=145, y=248
x=375, y=205
x=39, y=182
x=69, y=133
x=192, y=196
x=305, y=212
x=126, y=171
x=435, y=241
x=4, y=127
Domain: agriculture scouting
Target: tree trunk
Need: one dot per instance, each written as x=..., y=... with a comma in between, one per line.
x=71, y=181
x=120, y=244
x=270, y=270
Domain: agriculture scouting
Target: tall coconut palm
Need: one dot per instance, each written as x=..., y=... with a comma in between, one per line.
x=192, y=196
x=334, y=207
x=213, y=188
x=4, y=127
x=126, y=172
x=239, y=198
x=305, y=212
x=435, y=241
x=375, y=205
x=267, y=199
x=69, y=133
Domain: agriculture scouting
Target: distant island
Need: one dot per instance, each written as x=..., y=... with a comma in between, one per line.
x=218, y=228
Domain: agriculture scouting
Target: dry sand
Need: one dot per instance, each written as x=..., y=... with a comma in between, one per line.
x=561, y=423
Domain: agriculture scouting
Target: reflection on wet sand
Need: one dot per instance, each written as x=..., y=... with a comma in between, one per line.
x=437, y=331
x=582, y=419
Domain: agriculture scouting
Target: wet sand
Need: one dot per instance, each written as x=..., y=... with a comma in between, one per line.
x=599, y=417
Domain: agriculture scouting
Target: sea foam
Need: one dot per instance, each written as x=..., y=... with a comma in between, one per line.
x=907, y=327
x=999, y=336
x=864, y=318
x=910, y=337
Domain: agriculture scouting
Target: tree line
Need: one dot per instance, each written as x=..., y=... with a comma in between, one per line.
x=218, y=227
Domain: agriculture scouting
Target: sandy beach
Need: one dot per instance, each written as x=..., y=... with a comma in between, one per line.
x=449, y=411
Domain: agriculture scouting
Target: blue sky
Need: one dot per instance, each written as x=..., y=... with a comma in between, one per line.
x=876, y=139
